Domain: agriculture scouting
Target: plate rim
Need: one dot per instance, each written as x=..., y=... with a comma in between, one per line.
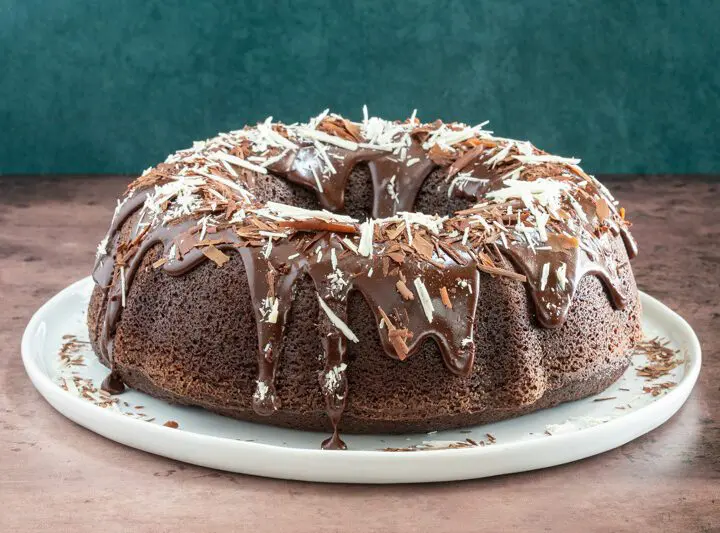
x=178, y=444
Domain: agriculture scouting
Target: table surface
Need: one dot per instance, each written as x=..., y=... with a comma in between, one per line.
x=667, y=480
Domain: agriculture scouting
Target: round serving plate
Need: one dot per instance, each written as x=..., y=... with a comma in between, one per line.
x=629, y=408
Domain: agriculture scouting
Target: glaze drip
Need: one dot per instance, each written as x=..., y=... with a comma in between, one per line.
x=552, y=293
x=271, y=291
x=113, y=384
x=333, y=378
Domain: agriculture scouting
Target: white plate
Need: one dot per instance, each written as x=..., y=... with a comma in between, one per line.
x=579, y=429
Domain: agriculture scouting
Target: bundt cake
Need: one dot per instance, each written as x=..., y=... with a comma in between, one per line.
x=370, y=276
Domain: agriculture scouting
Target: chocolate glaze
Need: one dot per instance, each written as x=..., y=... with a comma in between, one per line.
x=630, y=242
x=298, y=167
x=113, y=384
x=335, y=390
x=271, y=276
x=267, y=282
x=551, y=303
x=105, y=264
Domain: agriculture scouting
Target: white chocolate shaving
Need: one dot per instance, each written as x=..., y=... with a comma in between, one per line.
x=425, y=299
x=365, y=247
x=561, y=274
x=239, y=162
x=544, y=276
x=339, y=324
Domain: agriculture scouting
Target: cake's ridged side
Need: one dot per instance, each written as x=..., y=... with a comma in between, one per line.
x=193, y=340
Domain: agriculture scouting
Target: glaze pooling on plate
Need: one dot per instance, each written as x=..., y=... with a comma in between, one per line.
x=534, y=217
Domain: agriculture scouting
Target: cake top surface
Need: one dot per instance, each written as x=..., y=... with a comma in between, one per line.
x=522, y=192
x=537, y=207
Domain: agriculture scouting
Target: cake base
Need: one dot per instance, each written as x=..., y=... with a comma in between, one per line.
x=192, y=340
x=574, y=389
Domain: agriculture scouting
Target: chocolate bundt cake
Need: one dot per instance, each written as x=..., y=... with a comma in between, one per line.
x=365, y=277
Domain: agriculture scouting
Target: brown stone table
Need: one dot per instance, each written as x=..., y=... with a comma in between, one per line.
x=57, y=476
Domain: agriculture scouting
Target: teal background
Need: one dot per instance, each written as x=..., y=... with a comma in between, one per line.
x=113, y=86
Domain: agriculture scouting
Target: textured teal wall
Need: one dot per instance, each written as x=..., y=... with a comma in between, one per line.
x=112, y=86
